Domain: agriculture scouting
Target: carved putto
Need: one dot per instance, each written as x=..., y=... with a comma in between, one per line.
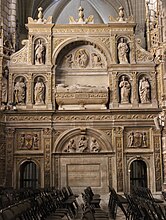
x=137, y=139
x=82, y=144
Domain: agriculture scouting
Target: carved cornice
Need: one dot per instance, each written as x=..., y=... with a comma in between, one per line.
x=103, y=117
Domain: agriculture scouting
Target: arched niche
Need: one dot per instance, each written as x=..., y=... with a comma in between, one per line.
x=77, y=134
x=29, y=174
x=78, y=62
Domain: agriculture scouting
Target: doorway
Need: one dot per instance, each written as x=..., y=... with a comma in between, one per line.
x=29, y=175
x=138, y=174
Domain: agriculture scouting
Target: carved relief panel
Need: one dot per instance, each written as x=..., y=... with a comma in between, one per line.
x=84, y=57
x=82, y=144
x=137, y=138
x=28, y=140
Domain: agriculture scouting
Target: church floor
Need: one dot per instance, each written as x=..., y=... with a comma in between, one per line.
x=104, y=206
x=120, y=216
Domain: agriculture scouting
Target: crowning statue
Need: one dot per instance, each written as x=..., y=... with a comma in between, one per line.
x=39, y=91
x=20, y=91
x=40, y=51
x=144, y=90
x=123, y=51
x=125, y=88
x=81, y=19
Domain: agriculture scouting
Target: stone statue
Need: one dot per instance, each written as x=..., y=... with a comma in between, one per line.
x=35, y=141
x=69, y=60
x=94, y=146
x=82, y=58
x=125, y=88
x=144, y=90
x=40, y=52
x=22, y=140
x=39, y=91
x=20, y=91
x=71, y=147
x=83, y=144
x=131, y=139
x=123, y=50
x=96, y=60
x=5, y=86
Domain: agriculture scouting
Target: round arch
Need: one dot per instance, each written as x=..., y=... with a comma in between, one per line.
x=100, y=136
x=144, y=165
x=103, y=49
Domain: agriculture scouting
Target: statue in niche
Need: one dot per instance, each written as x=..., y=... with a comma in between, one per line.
x=35, y=141
x=96, y=60
x=82, y=58
x=20, y=91
x=40, y=52
x=125, y=88
x=5, y=86
x=39, y=92
x=94, y=146
x=71, y=147
x=83, y=144
x=131, y=139
x=22, y=140
x=144, y=140
x=144, y=90
x=123, y=50
x=69, y=60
